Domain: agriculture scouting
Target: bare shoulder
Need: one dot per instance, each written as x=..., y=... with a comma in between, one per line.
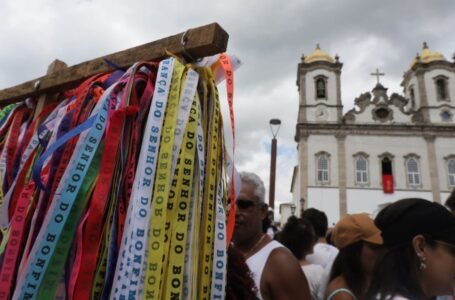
x=335, y=284
x=342, y=296
x=283, y=277
x=282, y=255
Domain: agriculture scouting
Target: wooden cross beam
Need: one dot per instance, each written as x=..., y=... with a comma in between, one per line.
x=199, y=42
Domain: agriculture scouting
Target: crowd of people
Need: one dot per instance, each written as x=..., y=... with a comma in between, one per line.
x=406, y=252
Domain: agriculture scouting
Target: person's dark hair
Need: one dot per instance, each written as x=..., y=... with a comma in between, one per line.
x=318, y=219
x=266, y=223
x=298, y=236
x=396, y=273
x=450, y=202
x=348, y=264
x=240, y=284
x=397, y=270
x=329, y=240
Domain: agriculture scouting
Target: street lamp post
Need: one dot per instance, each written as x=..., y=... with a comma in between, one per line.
x=293, y=207
x=274, y=127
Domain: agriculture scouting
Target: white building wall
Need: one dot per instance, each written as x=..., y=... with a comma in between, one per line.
x=371, y=201
x=431, y=86
x=435, y=113
x=444, y=197
x=366, y=117
x=399, y=147
x=444, y=147
x=326, y=143
x=285, y=213
x=296, y=193
x=413, y=83
x=332, y=114
x=327, y=200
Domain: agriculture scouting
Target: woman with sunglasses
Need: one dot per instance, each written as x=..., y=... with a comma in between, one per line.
x=419, y=258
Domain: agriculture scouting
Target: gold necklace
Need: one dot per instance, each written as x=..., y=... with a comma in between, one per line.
x=251, y=251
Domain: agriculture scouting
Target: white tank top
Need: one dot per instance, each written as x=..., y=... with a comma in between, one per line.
x=257, y=262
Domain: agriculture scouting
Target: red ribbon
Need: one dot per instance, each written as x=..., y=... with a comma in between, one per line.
x=229, y=74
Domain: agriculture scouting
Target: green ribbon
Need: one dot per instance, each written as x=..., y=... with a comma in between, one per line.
x=6, y=110
x=53, y=274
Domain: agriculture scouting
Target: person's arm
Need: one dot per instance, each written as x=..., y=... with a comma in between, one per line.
x=283, y=277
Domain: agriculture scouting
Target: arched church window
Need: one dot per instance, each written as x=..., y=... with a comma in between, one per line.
x=321, y=88
x=451, y=171
x=387, y=174
x=413, y=170
x=413, y=99
x=322, y=168
x=361, y=170
x=441, y=89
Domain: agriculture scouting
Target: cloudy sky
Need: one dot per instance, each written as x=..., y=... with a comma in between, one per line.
x=268, y=36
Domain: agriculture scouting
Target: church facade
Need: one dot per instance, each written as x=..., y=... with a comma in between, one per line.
x=386, y=148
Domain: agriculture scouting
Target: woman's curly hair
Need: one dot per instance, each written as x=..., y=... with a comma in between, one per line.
x=240, y=284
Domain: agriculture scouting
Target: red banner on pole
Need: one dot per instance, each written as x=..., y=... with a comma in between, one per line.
x=387, y=183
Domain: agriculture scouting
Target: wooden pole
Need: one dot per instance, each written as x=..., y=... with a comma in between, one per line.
x=44, y=99
x=197, y=43
x=272, y=175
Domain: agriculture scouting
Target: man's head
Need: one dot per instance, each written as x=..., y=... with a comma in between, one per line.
x=450, y=202
x=251, y=209
x=318, y=219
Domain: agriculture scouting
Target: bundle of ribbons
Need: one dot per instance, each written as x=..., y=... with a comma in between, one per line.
x=119, y=189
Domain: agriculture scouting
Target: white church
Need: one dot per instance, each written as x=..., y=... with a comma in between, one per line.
x=386, y=148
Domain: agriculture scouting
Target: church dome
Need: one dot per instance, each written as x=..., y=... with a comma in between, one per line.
x=427, y=56
x=319, y=55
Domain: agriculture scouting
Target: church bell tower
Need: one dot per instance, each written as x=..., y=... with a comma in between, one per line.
x=318, y=81
x=429, y=87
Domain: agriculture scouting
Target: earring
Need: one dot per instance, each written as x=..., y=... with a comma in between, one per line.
x=422, y=265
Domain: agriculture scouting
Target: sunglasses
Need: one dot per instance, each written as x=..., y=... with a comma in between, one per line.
x=244, y=204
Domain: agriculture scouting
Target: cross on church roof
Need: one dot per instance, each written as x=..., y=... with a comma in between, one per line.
x=377, y=74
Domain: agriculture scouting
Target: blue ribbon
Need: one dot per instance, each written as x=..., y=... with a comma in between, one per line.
x=63, y=203
x=65, y=138
x=113, y=65
x=113, y=78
